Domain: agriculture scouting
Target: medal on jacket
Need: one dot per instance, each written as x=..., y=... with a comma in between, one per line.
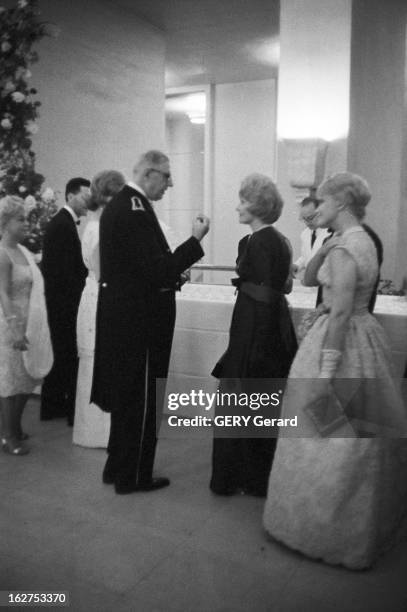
x=136, y=204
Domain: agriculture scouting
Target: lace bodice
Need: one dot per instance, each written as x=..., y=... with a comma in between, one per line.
x=360, y=246
x=20, y=286
x=13, y=375
x=21, y=281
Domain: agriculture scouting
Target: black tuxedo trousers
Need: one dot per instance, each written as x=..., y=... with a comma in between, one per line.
x=64, y=278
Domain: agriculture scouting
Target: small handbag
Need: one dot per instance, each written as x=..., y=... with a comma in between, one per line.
x=329, y=417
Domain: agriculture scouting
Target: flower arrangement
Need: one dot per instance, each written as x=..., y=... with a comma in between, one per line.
x=20, y=29
x=386, y=287
x=39, y=212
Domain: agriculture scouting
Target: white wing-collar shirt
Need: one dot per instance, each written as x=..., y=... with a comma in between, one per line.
x=72, y=213
x=308, y=252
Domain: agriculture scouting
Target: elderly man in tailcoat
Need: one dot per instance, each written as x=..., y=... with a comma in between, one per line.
x=135, y=320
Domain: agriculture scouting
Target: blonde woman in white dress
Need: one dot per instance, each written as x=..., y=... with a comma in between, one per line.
x=91, y=425
x=338, y=486
x=25, y=343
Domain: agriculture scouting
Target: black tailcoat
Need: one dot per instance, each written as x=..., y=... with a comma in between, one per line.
x=64, y=278
x=134, y=326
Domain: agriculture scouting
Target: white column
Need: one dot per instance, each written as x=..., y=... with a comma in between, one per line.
x=378, y=115
x=313, y=88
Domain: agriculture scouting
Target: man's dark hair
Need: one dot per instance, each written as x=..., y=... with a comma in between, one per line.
x=74, y=185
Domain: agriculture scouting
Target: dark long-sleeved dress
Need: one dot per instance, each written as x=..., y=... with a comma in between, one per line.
x=262, y=345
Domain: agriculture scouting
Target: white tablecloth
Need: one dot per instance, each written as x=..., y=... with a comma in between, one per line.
x=203, y=320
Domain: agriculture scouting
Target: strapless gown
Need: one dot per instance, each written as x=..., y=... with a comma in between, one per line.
x=14, y=378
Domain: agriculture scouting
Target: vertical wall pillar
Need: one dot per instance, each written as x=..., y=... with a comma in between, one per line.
x=313, y=89
x=378, y=128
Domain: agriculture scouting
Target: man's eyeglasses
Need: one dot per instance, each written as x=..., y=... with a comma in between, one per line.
x=166, y=175
x=309, y=219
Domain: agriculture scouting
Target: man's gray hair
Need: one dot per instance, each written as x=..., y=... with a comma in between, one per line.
x=151, y=159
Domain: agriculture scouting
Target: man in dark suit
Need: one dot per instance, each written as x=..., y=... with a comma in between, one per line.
x=135, y=320
x=64, y=276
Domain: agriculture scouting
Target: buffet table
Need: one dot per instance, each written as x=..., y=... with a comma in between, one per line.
x=203, y=319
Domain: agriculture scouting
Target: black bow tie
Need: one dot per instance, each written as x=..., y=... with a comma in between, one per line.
x=78, y=222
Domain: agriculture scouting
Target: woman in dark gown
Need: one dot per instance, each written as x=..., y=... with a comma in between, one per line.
x=262, y=341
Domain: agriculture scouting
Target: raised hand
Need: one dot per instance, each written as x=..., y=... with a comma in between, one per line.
x=200, y=226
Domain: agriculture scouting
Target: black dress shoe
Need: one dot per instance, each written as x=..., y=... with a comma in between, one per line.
x=110, y=469
x=52, y=411
x=108, y=477
x=153, y=485
x=225, y=491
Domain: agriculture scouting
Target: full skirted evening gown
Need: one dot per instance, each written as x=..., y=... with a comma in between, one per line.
x=342, y=500
x=91, y=425
x=14, y=379
x=262, y=345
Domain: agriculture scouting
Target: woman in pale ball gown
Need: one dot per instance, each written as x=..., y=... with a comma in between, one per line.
x=338, y=487
x=25, y=344
x=91, y=425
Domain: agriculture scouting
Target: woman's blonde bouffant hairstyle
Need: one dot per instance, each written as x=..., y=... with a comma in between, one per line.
x=10, y=207
x=349, y=188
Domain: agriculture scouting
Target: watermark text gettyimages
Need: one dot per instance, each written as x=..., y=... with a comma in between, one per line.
x=277, y=407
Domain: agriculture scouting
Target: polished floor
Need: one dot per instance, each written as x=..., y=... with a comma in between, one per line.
x=178, y=549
